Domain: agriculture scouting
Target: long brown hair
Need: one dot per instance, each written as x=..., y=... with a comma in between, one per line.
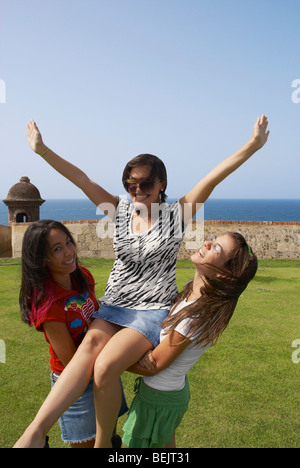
x=212, y=312
x=36, y=290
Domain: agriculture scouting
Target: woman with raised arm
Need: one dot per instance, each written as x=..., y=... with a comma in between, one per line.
x=142, y=283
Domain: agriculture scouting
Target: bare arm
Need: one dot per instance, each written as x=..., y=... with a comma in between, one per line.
x=162, y=356
x=200, y=193
x=75, y=175
x=60, y=340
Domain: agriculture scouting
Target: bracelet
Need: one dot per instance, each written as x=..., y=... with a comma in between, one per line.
x=45, y=152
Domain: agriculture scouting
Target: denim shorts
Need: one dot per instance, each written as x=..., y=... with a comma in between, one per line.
x=146, y=322
x=78, y=423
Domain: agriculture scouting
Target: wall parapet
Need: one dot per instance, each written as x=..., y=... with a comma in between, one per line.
x=256, y=223
x=269, y=239
x=5, y=241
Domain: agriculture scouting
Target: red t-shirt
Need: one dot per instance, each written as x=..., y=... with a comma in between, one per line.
x=73, y=309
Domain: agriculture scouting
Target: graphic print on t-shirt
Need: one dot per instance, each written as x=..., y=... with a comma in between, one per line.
x=82, y=303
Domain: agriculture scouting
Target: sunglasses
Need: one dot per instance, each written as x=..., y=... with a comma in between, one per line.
x=216, y=246
x=146, y=186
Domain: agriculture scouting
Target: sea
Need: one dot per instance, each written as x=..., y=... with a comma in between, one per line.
x=214, y=209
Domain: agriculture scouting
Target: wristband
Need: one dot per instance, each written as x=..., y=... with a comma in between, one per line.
x=45, y=152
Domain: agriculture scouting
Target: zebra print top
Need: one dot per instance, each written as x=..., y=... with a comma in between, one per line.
x=143, y=275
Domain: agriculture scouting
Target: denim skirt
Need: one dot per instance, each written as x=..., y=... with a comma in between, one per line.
x=146, y=322
x=78, y=423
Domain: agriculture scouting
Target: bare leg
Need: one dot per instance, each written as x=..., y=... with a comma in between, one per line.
x=123, y=350
x=70, y=385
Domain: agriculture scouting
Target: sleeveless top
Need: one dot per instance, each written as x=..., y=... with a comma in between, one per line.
x=143, y=275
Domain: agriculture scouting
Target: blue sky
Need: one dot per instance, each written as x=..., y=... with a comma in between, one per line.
x=183, y=79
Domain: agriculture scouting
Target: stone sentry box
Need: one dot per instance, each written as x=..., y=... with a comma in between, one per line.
x=23, y=202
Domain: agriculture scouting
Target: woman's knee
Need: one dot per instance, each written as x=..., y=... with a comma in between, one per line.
x=93, y=342
x=105, y=372
x=121, y=352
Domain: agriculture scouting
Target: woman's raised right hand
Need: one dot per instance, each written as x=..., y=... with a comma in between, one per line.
x=34, y=138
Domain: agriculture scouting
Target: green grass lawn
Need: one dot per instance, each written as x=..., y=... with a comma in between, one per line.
x=245, y=390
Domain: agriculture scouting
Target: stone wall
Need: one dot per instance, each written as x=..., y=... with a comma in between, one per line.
x=17, y=233
x=268, y=239
x=5, y=241
x=93, y=238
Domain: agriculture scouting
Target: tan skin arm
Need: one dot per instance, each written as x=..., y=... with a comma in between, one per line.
x=162, y=356
x=75, y=175
x=200, y=193
x=60, y=340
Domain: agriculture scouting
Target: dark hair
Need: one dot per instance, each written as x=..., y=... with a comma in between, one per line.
x=212, y=312
x=36, y=285
x=158, y=169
